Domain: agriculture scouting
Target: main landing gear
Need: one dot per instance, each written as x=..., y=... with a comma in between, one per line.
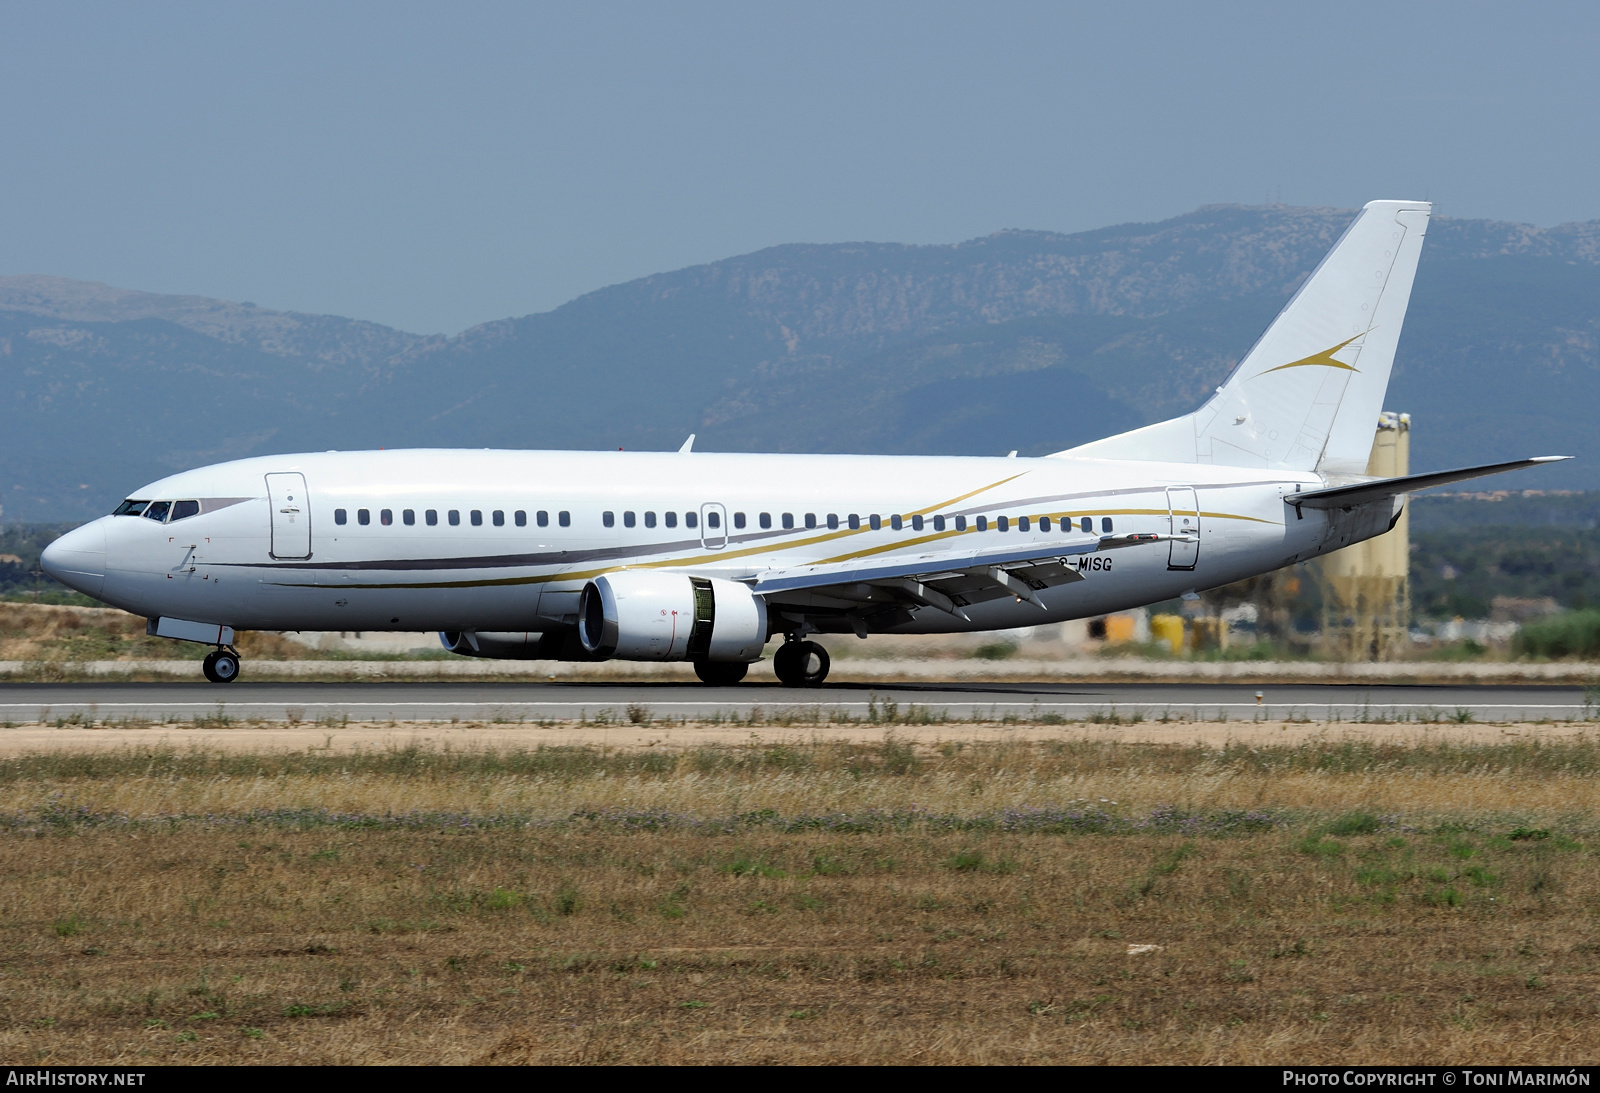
x=221, y=665
x=800, y=663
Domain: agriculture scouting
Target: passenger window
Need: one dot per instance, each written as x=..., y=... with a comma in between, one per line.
x=628, y=519
x=499, y=518
x=895, y=522
x=649, y=519
x=1003, y=523
x=855, y=522
x=521, y=518
x=363, y=517
x=690, y=519
x=713, y=520
x=875, y=522
x=961, y=523
x=338, y=516
x=916, y=523
x=564, y=518
x=811, y=519
x=833, y=521
x=788, y=521
x=542, y=518
x=1022, y=523
x=1086, y=524
x=454, y=516
x=1044, y=523
x=983, y=523
x=938, y=523
x=182, y=510
x=738, y=519
x=431, y=517
x=386, y=517
x=1105, y=524
x=672, y=519
x=408, y=516
x=477, y=518
x=157, y=511
x=766, y=519
x=609, y=519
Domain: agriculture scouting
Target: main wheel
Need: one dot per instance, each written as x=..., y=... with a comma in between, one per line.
x=720, y=673
x=801, y=664
x=220, y=666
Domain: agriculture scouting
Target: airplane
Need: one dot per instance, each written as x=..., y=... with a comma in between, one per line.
x=674, y=556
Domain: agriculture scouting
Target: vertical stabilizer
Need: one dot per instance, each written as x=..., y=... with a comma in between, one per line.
x=1308, y=395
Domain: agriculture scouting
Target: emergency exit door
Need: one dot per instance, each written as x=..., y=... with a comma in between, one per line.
x=1183, y=509
x=291, y=516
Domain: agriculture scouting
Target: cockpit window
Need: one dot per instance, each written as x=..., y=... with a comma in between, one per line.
x=183, y=509
x=157, y=510
x=130, y=507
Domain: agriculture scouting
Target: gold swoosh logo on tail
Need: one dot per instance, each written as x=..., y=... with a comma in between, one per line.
x=1325, y=358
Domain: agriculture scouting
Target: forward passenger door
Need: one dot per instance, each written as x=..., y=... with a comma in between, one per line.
x=291, y=516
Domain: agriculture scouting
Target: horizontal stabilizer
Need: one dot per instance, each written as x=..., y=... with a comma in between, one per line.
x=1343, y=497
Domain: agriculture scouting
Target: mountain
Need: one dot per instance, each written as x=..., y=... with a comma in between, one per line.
x=1021, y=339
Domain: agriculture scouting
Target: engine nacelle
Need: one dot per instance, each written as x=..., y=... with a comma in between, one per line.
x=637, y=614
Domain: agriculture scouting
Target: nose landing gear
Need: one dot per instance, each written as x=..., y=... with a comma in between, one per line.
x=800, y=663
x=221, y=665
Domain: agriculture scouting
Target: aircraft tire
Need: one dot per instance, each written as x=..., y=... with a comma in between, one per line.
x=801, y=664
x=720, y=673
x=220, y=666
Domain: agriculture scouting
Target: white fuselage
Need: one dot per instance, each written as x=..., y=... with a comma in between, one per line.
x=252, y=560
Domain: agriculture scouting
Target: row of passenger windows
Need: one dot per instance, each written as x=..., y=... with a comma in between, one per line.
x=853, y=521
x=453, y=517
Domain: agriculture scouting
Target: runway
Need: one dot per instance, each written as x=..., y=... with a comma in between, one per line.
x=33, y=703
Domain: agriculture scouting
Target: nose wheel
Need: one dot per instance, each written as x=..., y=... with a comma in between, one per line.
x=221, y=666
x=800, y=664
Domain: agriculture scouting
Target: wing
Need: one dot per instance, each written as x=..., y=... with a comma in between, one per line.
x=945, y=580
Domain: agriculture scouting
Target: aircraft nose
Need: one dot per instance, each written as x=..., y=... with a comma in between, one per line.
x=78, y=559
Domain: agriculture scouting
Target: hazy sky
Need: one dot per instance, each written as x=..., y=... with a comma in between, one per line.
x=436, y=166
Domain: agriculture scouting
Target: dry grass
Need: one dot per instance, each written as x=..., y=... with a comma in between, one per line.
x=52, y=635
x=811, y=903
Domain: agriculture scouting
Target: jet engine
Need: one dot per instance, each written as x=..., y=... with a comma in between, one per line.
x=644, y=615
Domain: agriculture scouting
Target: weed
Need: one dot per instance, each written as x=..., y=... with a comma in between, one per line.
x=71, y=926
x=567, y=901
x=1355, y=823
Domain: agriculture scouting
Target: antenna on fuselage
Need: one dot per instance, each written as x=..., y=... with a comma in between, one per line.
x=688, y=446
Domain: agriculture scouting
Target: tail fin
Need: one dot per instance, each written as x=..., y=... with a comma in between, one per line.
x=1308, y=395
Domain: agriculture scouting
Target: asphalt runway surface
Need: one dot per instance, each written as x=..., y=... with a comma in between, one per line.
x=22, y=703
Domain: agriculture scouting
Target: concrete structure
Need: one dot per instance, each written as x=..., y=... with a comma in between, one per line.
x=1366, y=589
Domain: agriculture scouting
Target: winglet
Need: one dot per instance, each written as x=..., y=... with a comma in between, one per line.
x=688, y=446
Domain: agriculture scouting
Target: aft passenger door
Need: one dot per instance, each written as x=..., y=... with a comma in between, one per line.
x=713, y=526
x=1183, y=509
x=291, y=516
